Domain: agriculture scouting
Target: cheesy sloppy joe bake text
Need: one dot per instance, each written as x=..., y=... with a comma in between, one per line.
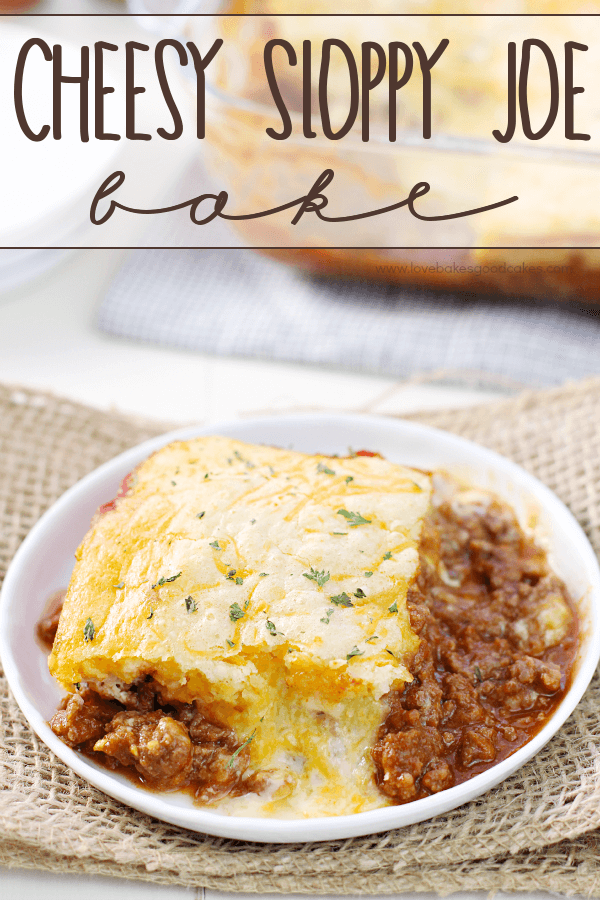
x=294, y=635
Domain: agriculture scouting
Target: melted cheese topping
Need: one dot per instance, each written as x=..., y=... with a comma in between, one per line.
x=273, y=585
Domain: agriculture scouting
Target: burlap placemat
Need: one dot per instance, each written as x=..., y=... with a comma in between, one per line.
x=536, y=830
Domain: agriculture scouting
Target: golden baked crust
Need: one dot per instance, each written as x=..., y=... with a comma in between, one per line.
x=269, y=583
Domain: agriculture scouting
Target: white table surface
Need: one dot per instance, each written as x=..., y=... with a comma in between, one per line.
x=49, y=343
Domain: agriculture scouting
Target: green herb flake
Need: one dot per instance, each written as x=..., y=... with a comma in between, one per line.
x=355, y=652
x=349, y=479
x=353, y=518
x=200, y=515
x=230, y=643
x=320, y=578
x=367, y=574
x=247, y=463
x=478, y=674
x=342, y=600
x=371, y=639
x=360, y=594
x=390, y=652
x=236, y=612
x=327, y=616
x=263, y=575
x=119, y=586
x=270, y=626
x=239, y=580
x=240, y=748
x=253, y=521
x=190, y=604
x=77, y=685
x=231, y=574
x=394, y=607
x=215, y=545
x=88, y=631
x=174, y=483
x=418, y=486
x=387, y=555
x=206, y=476
x=322, y=469
x=162, y=580
x=340, y=532
x=151, y=613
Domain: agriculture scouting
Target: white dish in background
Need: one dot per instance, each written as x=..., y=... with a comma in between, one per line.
x=46, y=184
x=45, y=559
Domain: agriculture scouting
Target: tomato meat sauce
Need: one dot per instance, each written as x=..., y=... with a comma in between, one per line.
x=499, y=636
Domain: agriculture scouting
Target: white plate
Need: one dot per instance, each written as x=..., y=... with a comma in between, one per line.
x=44, y=561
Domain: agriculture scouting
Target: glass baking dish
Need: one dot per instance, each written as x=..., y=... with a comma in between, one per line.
x=544, y=245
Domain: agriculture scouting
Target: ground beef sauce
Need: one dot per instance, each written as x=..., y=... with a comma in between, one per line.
x=498, y=640
x=48, y=624
x=498, y=636
x=168, y=746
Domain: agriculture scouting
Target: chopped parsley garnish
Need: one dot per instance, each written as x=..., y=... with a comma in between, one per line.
x=327, y=616
x=119, y=586
x=263, y=574
x=271, y=628
x=247, y=463
x=240, y=748
x=200, y=515
x=360, y=594
x=236, y=612
x=206, y=476
x=162, y=580
x=190, y=604
x=230, y=643
x=478, y=674
x=349, y=479
x=253, y=521
x=355, y=652
x=174, y=483
x=387, y=555
x=390, y=652
x=215, y=545
x=89, y=631
x=342, y=600
x=77, y=685
x=353, y=518
x=151, y=613
x=367, y=574
x=239, y=580
x=321, y=578
x=394, y=607
x=231, y=574
x=340, y=532
x=322, y=469
x=370, y=640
